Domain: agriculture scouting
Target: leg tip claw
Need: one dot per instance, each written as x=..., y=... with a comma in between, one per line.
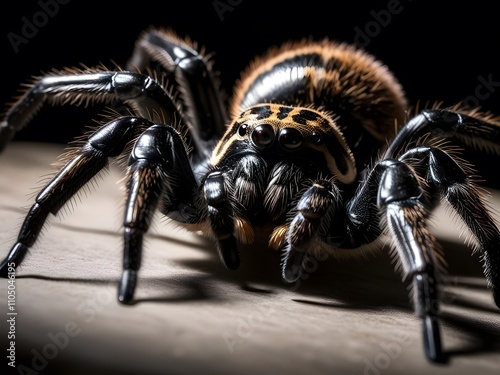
x=292, y=266
x=432, y=340
x=4, y=269
x=14, y=259
x=127, y=287
x=228, y=253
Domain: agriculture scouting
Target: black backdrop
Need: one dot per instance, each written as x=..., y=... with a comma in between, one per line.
x=437, y=51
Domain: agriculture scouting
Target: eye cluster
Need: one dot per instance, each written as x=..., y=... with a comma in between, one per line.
x=289, y=138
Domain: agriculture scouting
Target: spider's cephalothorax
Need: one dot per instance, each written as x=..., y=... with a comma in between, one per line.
x=318, y=158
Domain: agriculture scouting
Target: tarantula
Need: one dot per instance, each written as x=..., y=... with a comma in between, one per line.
x=320, y=156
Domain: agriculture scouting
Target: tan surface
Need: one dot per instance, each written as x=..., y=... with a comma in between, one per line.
x=194, y=316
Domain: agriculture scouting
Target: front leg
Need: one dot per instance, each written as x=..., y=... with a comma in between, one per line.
x=159, y=176
x=453, y=182
x=83, y=164
x=400, y=198
x=393, y=189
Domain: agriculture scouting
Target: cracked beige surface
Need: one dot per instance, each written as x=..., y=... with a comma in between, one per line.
x=194, y=316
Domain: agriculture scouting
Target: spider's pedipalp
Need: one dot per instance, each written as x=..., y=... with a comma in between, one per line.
x=311, y=211
x=284, y=184
x=216, y=192
x=248, y=176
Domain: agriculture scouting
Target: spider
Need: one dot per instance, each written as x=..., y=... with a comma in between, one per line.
x=321, y=156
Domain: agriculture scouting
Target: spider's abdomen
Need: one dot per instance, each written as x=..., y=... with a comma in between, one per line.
x=347, y=84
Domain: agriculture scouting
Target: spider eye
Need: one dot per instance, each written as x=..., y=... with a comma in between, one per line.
x=242, y=130
x=262, y=135
x=316, y=138
x=290, y=139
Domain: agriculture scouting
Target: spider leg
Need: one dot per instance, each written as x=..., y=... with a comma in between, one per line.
x=467, y=130
x=159, y=177
x=400, y=197
x=84, y=164
x=465, y=198
x=406, y=213
x=393, y=186
x=470, y=131
x=145, y=95
x=203, y=105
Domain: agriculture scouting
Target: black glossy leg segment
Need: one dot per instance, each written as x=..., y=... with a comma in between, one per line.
x=83, y=165
x=221, y=218
x=363, y=220
x=466, y=130
x=146, y=96
x=203, y=104
x=415, y=246
x=467, y=200
x=400, y=198
x=158, y=169
x=144, y=187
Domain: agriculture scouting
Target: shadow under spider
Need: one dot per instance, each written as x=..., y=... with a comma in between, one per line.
x=373, y=285
x=368, y=284
x=483, y=337
x=181, y=289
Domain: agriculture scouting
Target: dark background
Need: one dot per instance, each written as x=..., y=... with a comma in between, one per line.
x=438, y=52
